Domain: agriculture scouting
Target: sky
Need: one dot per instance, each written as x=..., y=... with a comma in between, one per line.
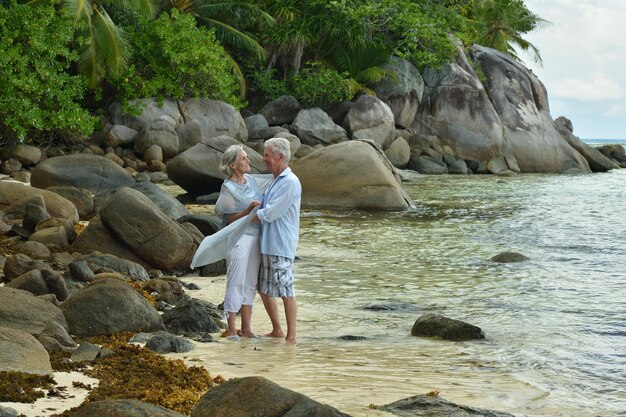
x=584, y=63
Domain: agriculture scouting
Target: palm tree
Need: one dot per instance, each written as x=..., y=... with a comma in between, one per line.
x=106, y=48
x=500, y=24
x=232, y=21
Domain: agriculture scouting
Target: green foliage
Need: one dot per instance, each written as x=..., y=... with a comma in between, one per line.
x=318, y=86
x=500, y=24
x=314, y=86
x=270, y=86
x=173, y=58
x=40, y=100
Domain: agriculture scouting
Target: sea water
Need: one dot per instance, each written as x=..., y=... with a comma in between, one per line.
x=555, y=324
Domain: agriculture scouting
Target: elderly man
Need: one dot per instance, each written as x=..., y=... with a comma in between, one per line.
x=280, y=226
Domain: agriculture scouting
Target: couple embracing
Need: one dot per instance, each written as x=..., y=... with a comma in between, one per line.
x=261, y=259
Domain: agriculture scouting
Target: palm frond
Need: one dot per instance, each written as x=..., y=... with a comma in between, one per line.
x=230, y=35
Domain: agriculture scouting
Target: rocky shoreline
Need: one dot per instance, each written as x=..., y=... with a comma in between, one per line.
x=94, y=246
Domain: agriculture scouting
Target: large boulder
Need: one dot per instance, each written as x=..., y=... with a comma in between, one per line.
x=262, y=398
x=21, y=352
x=456, y=108
x=521, y=101
x=96, y=237
x=402, y=90
x=107, y=306
x=137, y=222
x=282, y=110
x=172, y=208
x=161, y=132
x=92, y=172
x=23, y=311
x=215, y=118
x=149, y=109
x=354, y=174
x=597, y=161
x=100, y=262
x=371, y=119
x=27, y=155
x=197, y=170
x=123, y=408
x=13, y=192
x=314, y=127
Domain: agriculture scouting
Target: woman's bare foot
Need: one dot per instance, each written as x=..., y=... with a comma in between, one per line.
x=275, y=333
x=290, y=341
x=250, y=334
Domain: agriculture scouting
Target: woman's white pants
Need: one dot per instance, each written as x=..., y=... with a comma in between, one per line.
x=242, y=273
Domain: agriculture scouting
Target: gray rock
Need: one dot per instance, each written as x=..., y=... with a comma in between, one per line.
x=521, y=101
x=108, y=306
x=86, y=352
x=19, y=264
x=161, y=132
x=80, y=271
x=80, y=197
x=153, y=153
x=31, y=281
x=190, y=317
x=97, y=261
x=8, y=412
x=280, y=111
x=163, y=200
x=15, y=196
x=135, y=220
x=436, y=325
x=313, y=126
x=22, y=176
x=123, y=408
x=190, y=134
x=207, y=225
x=197, y=170
x=434, y=406
x=11, y=166
x=163, y=342
x=597, y=161
x=371, y=119
x=213, y=270
x=20, y=351
x=354, y=174
x=120, y=135
x=427, y=165
x=150, y=110
x=399, y=153
x=402, y=90
x=508, y=257
x=51, y=235
x=26, y=154
x=263, y=398
x=22, y=310
x=215, y=118
x=34, y=249
x=94, y=173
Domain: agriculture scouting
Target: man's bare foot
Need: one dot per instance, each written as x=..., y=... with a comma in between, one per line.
x=251, y=335
x=275, y=333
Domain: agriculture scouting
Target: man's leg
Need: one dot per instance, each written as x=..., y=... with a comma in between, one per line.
x=291, y=312
x=272, y=311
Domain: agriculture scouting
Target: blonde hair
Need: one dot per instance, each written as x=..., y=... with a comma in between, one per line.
x=230, y=155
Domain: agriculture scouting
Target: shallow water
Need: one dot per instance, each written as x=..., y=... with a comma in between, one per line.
x=555, y=325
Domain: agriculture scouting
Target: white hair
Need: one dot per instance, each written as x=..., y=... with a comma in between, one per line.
x=279, y=145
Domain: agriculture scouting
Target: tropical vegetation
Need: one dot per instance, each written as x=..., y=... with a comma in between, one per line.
x=62, y=61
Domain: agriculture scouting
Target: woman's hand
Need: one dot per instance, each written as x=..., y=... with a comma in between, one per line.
x=252, y=205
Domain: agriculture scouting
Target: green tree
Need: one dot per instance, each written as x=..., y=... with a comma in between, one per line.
x=236, y=24
x=39, y=99
x=106, y=47
x=500, y=24
x=171, y=57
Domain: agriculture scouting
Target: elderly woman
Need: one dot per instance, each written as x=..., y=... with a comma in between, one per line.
x=238, y=196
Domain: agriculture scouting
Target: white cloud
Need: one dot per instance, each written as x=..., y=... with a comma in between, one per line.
x=616, y=110
x=599, y=88
x=584, y=56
